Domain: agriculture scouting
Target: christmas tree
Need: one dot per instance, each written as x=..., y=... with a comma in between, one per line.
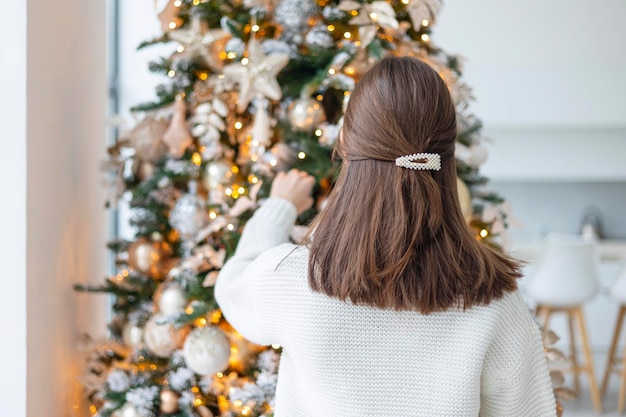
x=254, y=87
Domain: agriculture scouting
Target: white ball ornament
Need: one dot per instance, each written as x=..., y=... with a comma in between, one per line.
x=162, y=338
x=172, y=300
x=206, y=350
x=305, y=114
x=132, y=335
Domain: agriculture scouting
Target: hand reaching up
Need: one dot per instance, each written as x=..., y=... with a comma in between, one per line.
x=294, y=186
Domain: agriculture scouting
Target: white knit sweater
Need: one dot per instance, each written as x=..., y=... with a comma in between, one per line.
x=344, y=360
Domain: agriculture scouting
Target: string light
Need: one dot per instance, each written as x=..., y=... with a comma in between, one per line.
x=301, y=155
x=275, y=346
x=255, y=28
x=196, y=2
x=405, y=1
x=319, y=97
x=273, y=162
x=220, y=375
x=196, y=159
x=253, y=179
x=230, y=227
x=331, y=28
x=424, y=22
x=231, y=55
x=244, y=61
x=425, y=37
x=172, y=25
x=203, y=76
x=238, y=125
x=484, y=233
x=171, y=73
x=349, y=70
x=178, y=3
x=212, y=215
x=373, y=16
x=180, y=48
x=318, y=132
x=347, y=35
x=331, y=71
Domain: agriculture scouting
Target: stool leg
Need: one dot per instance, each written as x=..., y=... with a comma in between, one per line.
x=572, y=344
x=622, y=387
x=595, y=394
x=614, y=342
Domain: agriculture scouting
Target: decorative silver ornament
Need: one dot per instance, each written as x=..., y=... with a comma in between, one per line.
x=293, y=15
x=305, y=114
x=162, y=338
x=206, y=350
x=189, y=216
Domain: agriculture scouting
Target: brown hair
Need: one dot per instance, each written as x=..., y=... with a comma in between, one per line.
x=393, y=237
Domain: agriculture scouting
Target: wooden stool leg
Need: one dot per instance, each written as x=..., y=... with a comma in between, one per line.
x=614, y=342
x=622, y=387
x=595, y=394
x=572, y=345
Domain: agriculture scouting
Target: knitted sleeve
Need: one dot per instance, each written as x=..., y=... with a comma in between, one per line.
x=516, y=380
x=242, y=289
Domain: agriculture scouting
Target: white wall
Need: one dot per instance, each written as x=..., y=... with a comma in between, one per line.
x=13, y=210
x=66, y=108
x=549, y=81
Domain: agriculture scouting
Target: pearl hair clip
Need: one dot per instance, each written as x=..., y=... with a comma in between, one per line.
x=423, y=161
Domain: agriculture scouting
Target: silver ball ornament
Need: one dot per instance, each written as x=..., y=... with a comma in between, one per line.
x=206, y=350
x=189, y=214
x=305, y=114
x=294, y=15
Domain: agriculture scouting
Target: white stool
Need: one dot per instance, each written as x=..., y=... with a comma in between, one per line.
x=618, y=291
x=565, y=277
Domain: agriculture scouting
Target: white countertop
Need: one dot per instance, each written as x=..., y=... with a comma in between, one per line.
x=610, y=250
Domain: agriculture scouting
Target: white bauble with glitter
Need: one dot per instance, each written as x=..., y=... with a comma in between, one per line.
x=172, y=299
x=305, y=114
x=294, y=15
x=162, y=338
x=206, y=350
x=127, y=410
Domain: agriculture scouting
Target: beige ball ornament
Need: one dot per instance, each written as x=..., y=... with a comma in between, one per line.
x=305, y=114
x=465, y=198
x=206, y=350
x=147, y=139
x=163, y=338
x=169, y=401
x=148, y=257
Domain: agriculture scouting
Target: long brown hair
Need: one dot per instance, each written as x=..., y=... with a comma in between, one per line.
x=394, y=237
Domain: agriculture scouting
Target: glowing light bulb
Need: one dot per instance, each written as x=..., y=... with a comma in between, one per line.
x=347, y=35
x=424, y=22
x=301, y=155
x=178, y=3
x=331, y=71
x=245, y=61
x=230, y=227
x=425, y=37
x=373, y=16
x=318, y=132
x=331, y=28
x=180, y=48
x=255, y=28
x=238, y=125
x=484, y=233
x=212, y=215
x=231, y=55
x=171, y=73
x=405, y=1
x=172, y=25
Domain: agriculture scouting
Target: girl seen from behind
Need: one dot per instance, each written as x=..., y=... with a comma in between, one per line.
x=390, y=307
